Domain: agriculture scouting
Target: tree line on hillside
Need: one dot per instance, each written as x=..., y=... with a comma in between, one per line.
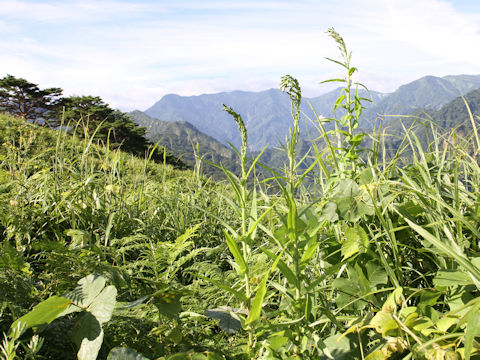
x=89, y=115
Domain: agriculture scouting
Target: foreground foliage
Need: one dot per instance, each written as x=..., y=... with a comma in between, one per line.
x=355, y=256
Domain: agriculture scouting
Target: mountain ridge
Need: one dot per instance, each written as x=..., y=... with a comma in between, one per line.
x=267, y=113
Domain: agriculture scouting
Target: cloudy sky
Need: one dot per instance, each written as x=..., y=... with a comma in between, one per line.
x=131, y=53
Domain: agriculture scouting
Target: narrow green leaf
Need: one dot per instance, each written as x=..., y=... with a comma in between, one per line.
x=447, y=250
x=257, y=303
x=235, y=250
x=473, y=330
x=283, y=267
x=237, y=294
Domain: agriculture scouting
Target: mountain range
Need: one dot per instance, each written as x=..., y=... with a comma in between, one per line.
x=182, y=122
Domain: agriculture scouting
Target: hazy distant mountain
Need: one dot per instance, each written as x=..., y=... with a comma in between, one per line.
x=267, y=113
x=182, y=138
x=453, y=115
x=429, y=92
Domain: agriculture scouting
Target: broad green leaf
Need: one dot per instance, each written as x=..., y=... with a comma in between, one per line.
x=445, y=323
x=329, y=212
x=428, y=298
x=43, y=313
x=103, y=305
x=383, y=322
x=168, y=302
x=229, y=321
x=356, y=241
x=175, y=335
x=376, y=355
x=121, y=353
x=445, y=278
x=350, y=200
x=345, y=348
x=237, y=255
x=88, y=336
x=277, y=341
x=393, y=299
x=88, y=288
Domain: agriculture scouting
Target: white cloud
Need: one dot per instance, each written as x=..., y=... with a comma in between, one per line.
x=132, y=53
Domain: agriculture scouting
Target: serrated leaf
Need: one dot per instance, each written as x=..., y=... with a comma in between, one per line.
x=121, y=353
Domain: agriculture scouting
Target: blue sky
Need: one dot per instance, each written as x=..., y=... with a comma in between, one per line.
x=131, y=53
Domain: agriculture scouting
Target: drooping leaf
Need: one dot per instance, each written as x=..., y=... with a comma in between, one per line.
x=473, y=330
x=229, y=321
x=121, y=353
x=383, y=322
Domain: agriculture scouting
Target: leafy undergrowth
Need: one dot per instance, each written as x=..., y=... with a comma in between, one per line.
x=105, y=255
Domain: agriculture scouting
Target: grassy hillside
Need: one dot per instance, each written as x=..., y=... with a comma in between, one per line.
x=107, y=256
x=69, y=208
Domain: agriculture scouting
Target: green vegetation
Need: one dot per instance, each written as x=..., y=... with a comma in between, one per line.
x=90, y=114
x=193, y=147
x=106, y=255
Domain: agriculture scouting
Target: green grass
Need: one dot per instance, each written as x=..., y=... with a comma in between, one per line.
x=374, y=257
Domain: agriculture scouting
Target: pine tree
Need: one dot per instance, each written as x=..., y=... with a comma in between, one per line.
x=25, y=99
